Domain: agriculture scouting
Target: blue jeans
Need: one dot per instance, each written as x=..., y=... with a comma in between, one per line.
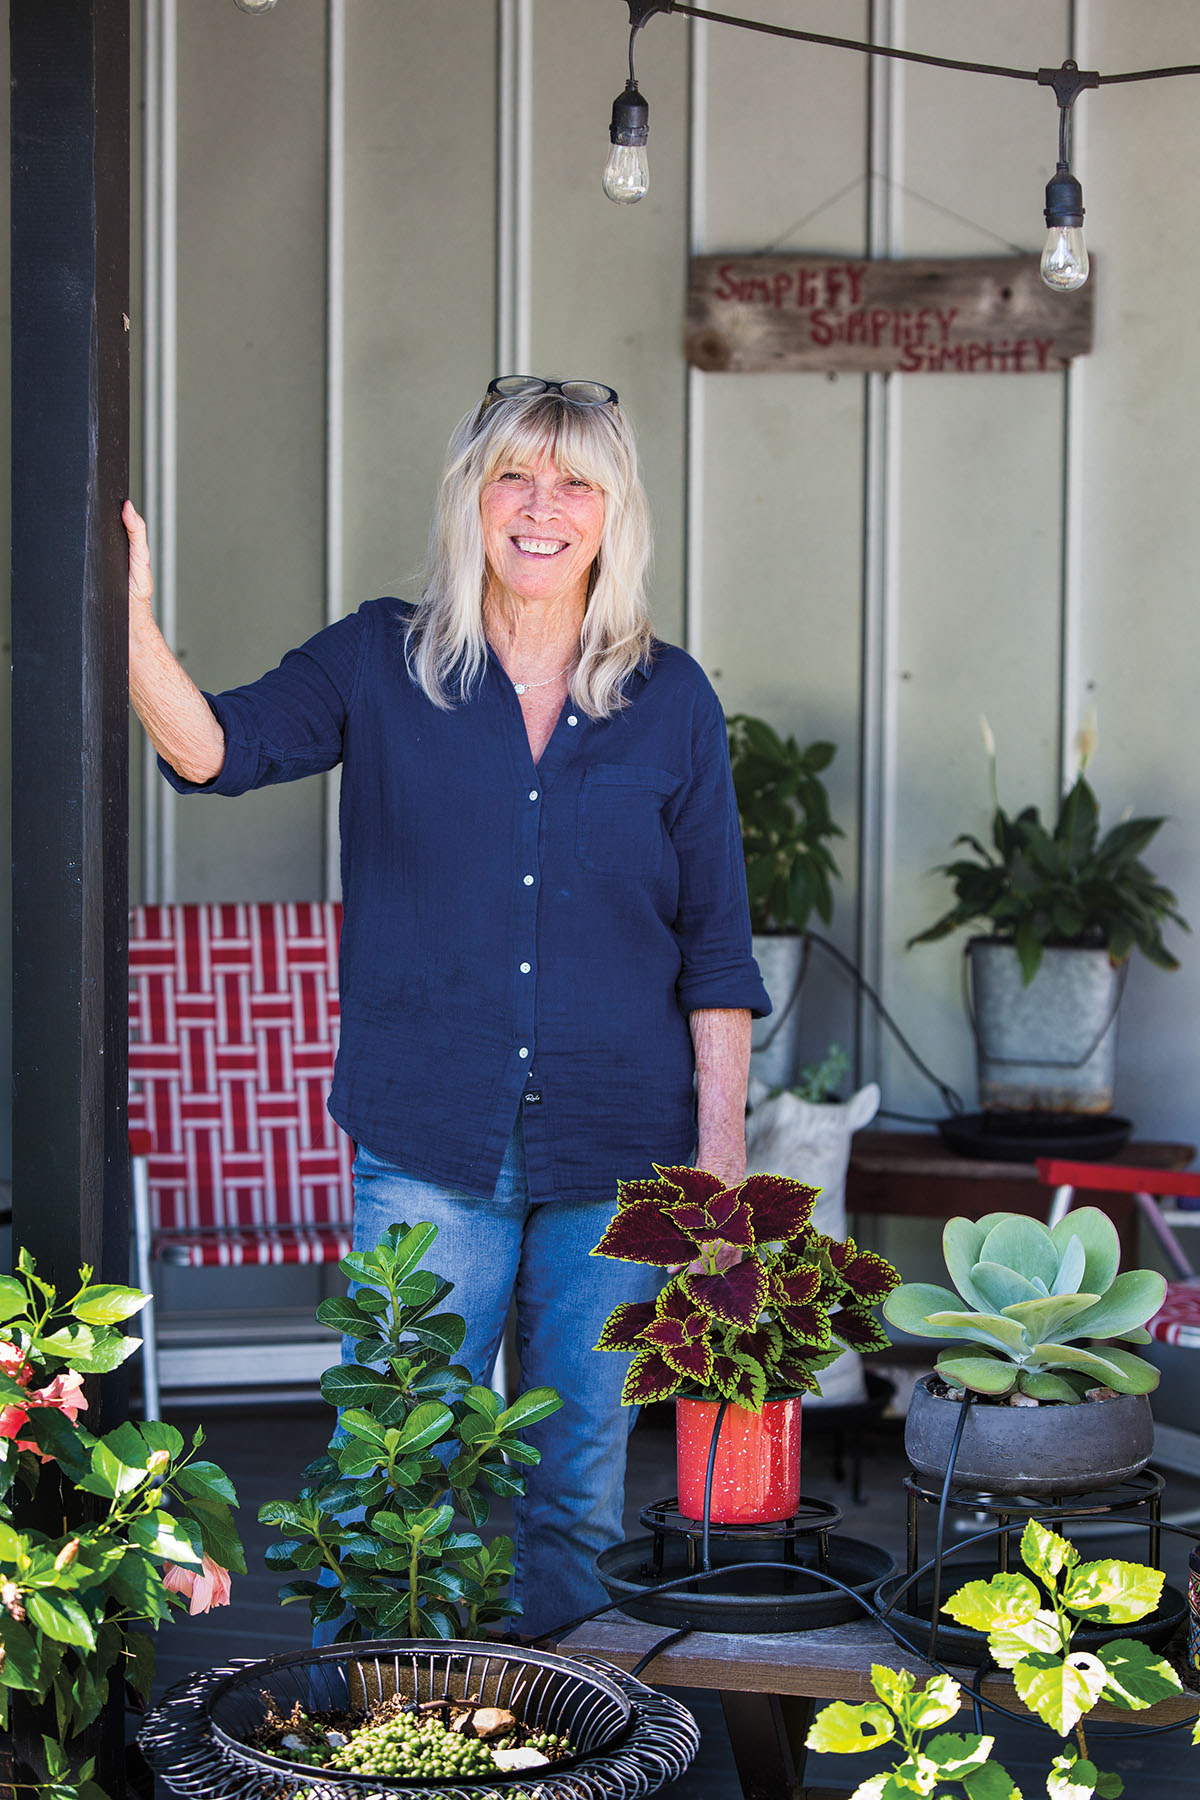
x=507, y=1246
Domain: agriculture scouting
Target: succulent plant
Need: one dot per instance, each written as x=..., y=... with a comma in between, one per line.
x=759, y=1301
x=1032, y=1292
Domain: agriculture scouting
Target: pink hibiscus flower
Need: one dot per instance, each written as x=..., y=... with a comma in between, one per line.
x=205, y=1587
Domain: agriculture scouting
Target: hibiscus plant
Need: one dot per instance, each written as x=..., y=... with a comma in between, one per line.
x=146, y=1523
x=1031, y=1621
x=418, y=1441
x=758, y=1302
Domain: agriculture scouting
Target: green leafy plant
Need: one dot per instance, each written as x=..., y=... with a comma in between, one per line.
x=817, y=1082
x=148, y=1524
x=786, y=825
x=759, y=1302
x=1031, y=1294
x=906, y=1715
x=1030, y=1627
x=417, y=1443
x=1063, y=885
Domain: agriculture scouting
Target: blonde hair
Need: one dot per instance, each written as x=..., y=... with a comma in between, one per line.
x=445, y=643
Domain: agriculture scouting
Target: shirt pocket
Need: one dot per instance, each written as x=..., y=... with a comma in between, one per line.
x=621, y=829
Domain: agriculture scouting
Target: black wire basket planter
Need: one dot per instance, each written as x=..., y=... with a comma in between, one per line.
x=628, y=1740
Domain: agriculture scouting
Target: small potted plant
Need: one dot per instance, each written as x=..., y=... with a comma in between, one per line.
x=146, y=1523
x=1065, y=907
x=758, y=1303
x=1039, y=1329
x=786, y=827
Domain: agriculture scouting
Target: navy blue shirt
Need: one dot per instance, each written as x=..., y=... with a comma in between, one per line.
x=511, y=928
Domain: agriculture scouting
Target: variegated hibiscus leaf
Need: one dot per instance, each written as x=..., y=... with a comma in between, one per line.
x=650, y=1378
x=740, y=1379
x=696, y=1185
x=805, y=1326
x=737, y=1295
x=867, y=1276
x=795, y=1284
x=693, y=1361
x=859, y=1329
x=779, y=1207
x=643, y=1233
x=624, y=1326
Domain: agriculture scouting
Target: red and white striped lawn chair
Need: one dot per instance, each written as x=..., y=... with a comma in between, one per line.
x=1176, y=1326
x=233, y=1028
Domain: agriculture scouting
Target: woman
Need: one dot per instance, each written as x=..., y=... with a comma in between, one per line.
x=546, y=979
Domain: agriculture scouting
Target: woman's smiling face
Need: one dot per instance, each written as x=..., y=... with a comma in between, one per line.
x=541, y=530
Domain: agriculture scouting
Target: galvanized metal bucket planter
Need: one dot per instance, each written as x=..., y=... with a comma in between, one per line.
x=775, y=1041
x=1050, y=1046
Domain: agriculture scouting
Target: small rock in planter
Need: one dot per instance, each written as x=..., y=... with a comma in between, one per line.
x=520, y=1759
x=1100, y=1393
x=492, y=1721
x=1024, y=1400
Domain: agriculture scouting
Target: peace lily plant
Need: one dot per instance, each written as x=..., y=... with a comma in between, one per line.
x=758, y=1301
x=1026, y=1295
x=1030, y=1622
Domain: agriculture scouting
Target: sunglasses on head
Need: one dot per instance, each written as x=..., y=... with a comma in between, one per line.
x=581, y=393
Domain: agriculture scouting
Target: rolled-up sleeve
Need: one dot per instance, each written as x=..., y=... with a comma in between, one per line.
x=713, y=922
x=291, y=721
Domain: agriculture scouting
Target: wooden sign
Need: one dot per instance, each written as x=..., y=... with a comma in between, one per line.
x=990, y=315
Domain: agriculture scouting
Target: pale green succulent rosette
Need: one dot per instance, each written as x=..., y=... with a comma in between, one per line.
x=1032, y=1293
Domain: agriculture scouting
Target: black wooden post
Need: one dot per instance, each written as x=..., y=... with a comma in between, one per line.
x=70, y=473
x=70, y=468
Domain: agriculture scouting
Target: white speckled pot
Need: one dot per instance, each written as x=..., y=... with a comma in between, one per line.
x=756, y=1479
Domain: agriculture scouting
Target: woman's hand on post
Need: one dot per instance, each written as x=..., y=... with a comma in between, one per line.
x=178, y=719
x=141, y=580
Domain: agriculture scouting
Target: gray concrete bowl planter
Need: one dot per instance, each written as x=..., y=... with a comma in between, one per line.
x=1033, y=1450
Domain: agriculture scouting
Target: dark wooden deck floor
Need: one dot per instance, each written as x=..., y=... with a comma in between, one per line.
x=264, y=1450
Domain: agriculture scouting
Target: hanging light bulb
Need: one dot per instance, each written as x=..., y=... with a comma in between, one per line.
x=1064, y=264
x=627, y=171
x=254, y=6
x=1064, y=259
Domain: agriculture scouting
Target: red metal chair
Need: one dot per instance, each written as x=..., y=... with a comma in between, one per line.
x=233, y=1027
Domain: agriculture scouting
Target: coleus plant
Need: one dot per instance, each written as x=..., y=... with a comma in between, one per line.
x=758, y=1302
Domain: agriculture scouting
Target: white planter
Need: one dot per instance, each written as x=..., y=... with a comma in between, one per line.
x=811, y=1143
x=775, y=1041
x=1050, y=1046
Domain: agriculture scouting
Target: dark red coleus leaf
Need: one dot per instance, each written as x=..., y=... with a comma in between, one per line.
x=868, y=1276
x=737, y=1295
x=723, y=1218
x=646, y=1188
x=790, y=1372
x=763, y=1344
x=859, y=1329
x=808, y=1325
x=675, y=1303
x=624, y=1326
x=694, y=1361
x=650, y=1377
x=795, y=1286
x=666, y=1333
x=696, y=1185
x=741, y=1380
x=779, y=1207
x=642, y=1233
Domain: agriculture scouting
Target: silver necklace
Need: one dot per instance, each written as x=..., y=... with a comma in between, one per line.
x=523, y=687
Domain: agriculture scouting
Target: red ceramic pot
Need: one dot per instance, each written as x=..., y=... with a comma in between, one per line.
x=756, y=1479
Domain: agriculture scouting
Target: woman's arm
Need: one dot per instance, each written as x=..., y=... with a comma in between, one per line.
x=178, y=719
x=721, y=1040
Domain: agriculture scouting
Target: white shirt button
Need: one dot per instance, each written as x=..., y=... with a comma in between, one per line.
x=571, y=719
x=529, y=881
x=522, y=1052
x=533, y=793
x=525, y=968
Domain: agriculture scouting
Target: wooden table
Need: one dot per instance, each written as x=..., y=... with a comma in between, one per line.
x=770, y=1687
x=912, y=1174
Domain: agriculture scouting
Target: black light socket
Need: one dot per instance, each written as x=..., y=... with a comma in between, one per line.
x=1064, y=199
x=630, y=117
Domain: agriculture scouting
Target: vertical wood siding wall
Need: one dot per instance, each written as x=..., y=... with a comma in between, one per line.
x=873, y=561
